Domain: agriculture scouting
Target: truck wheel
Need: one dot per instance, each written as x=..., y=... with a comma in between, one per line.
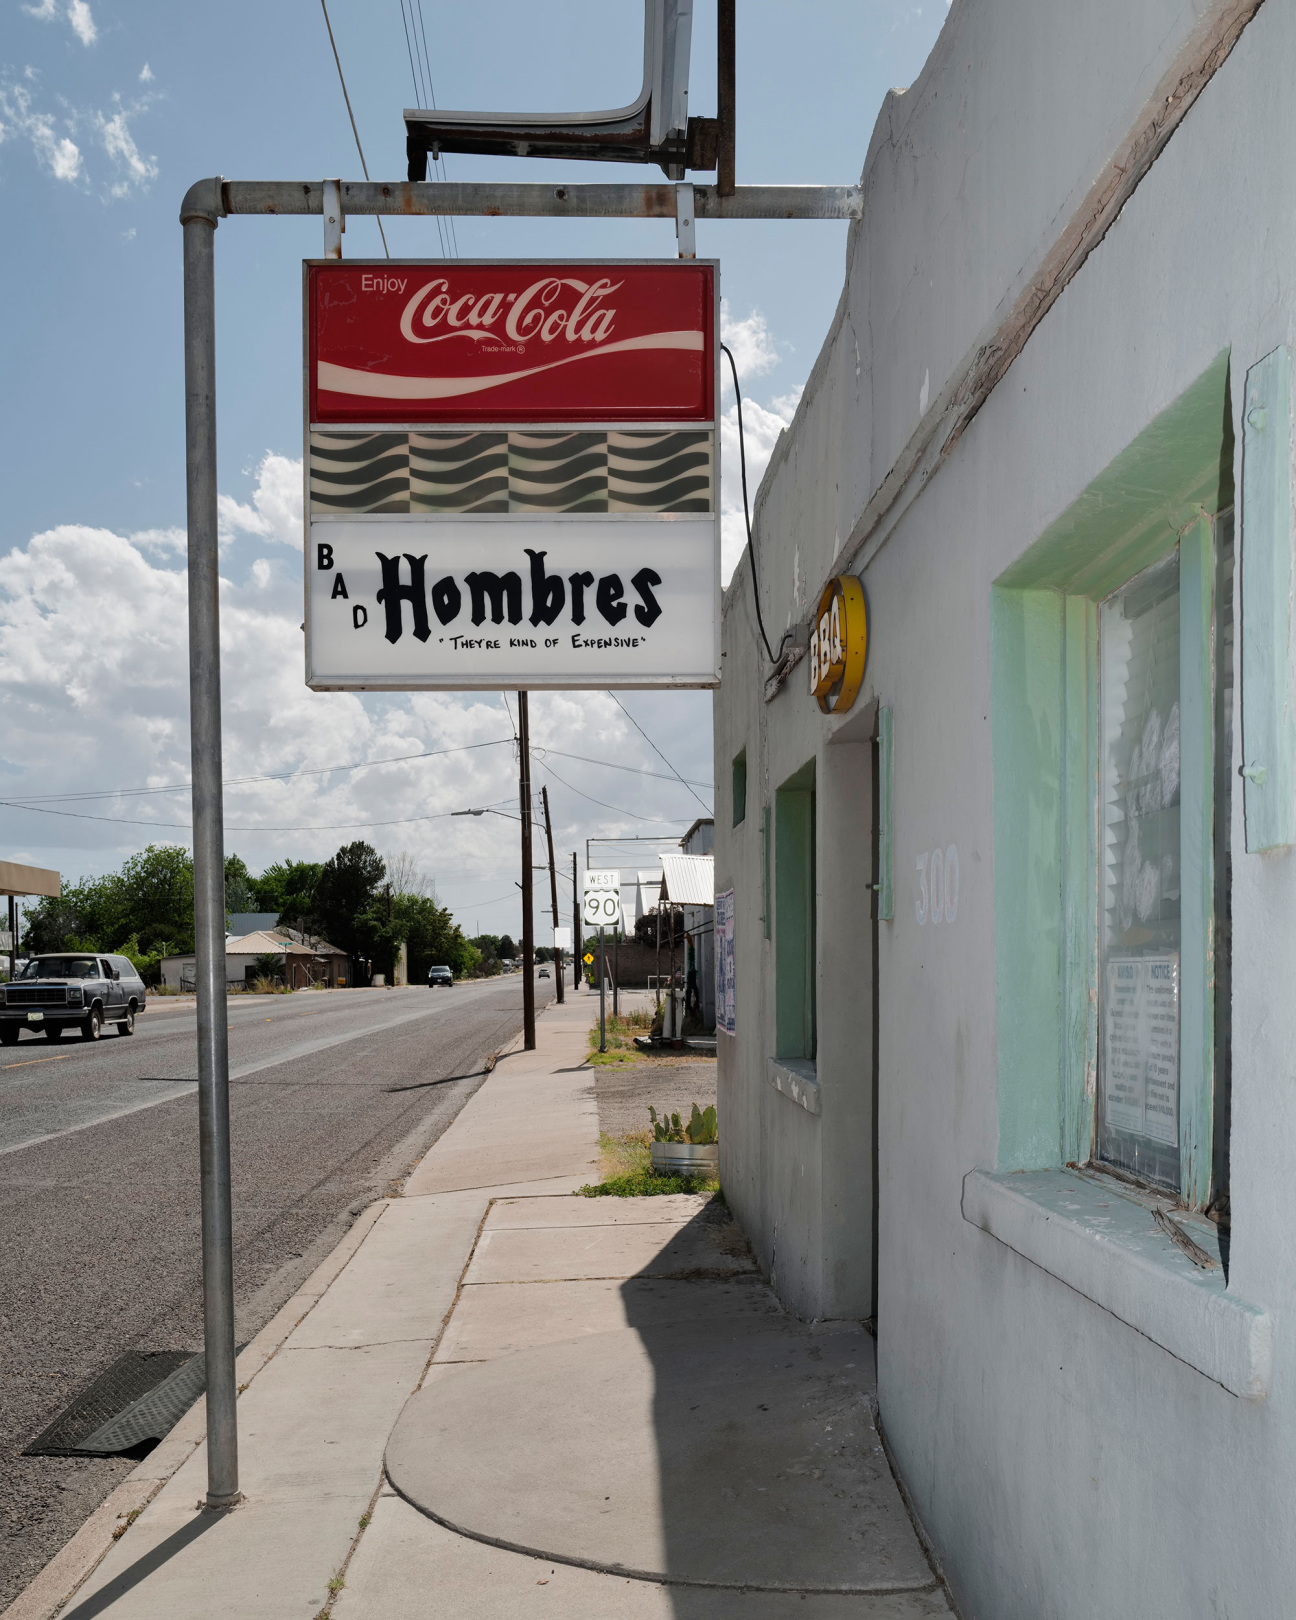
x=127, y=1025
x=91, y=1025
x=8, y=1034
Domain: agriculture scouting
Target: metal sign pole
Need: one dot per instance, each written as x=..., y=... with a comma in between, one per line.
x=199, y=224
x=528, y=879
x=602, y=996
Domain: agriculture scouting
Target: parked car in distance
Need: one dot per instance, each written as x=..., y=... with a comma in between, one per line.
x=543, y=973
x=438, y=976
x=73, y=988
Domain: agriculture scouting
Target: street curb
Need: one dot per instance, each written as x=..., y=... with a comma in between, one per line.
x=78, y=1558
x=55, y=1586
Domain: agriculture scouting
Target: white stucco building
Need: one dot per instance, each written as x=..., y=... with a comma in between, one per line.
x=1013, y=940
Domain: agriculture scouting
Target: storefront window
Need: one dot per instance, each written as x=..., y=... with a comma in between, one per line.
x=1139, y=872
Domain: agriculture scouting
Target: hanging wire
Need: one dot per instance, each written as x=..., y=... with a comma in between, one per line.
x=742, y=456
x=421, y=96
x=431, y=93
x=351, y=115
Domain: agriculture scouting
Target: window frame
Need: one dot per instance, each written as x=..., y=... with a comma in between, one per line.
x=1164, y=491
x=795, y=917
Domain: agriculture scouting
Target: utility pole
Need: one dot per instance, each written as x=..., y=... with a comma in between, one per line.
x=578, y=944
x=553, y=892
x=528, y=921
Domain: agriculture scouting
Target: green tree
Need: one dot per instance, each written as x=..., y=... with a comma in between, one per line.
x=344, y=899
x=288, y=889
x=238, y=885
x=508, y=951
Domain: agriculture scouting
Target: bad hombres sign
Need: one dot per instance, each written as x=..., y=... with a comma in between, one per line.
x=512, y=475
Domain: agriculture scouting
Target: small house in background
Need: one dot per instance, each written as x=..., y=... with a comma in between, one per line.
x=302, y=965
x=688, y=881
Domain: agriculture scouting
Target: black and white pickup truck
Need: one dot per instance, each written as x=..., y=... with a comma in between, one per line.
x=77, y=989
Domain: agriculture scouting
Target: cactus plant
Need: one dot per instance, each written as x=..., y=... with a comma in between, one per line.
x=700, y=1130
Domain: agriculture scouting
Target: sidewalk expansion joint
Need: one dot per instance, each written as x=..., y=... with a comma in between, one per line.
x=698, y=1274
x=652, y=1578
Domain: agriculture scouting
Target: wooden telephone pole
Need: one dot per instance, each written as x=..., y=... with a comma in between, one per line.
x=553, y=891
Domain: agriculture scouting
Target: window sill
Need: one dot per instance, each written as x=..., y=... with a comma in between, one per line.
x=1107, y=1247
x=796, y=1079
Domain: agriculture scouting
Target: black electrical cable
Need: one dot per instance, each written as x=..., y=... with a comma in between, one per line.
x=742, y=456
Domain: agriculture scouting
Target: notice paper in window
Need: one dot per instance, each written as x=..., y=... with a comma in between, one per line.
x=1141, y=1046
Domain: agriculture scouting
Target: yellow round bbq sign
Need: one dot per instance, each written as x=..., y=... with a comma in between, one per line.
x=838, y=644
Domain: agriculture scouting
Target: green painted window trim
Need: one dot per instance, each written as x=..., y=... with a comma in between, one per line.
x=1044, y=738
x=795, y=918
x=1268, y=724
x=740, y=787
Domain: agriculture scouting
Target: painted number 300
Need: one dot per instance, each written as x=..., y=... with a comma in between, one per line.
x=938, y=885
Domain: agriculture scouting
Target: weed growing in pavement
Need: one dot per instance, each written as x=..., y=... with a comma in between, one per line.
x=628, y=1173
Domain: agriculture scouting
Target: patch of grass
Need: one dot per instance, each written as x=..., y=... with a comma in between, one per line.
x=621, y=1029
x=626, y=1164
x=610, y=1059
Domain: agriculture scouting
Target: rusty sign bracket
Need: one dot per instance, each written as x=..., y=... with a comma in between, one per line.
x=217, y=198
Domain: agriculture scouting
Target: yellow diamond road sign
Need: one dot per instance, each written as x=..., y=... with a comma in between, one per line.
x=589, y=956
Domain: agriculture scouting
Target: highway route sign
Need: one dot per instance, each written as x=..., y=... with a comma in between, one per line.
x=601, y=901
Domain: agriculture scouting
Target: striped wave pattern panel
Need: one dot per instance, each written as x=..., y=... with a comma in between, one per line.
x=359, y=472
x=659, y=472
x=459, y=472
x=558, y=472
x=664, y=470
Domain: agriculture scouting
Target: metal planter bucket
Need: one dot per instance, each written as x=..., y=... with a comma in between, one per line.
x=686, y=1159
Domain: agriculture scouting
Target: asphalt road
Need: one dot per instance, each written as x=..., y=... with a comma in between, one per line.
x=333, y=1097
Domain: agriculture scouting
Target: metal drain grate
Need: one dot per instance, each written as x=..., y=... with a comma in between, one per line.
x=140, y=1398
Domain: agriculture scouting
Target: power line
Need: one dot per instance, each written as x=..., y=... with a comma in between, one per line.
x=612, y=765
x=419, y=98
x=187, y=826
x=660, y=821
x=451, y=227
x=656, y=750
x=351, y=115
x=36, y=799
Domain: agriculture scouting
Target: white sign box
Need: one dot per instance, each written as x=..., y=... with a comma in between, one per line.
x=398, y=602
x=601, y=900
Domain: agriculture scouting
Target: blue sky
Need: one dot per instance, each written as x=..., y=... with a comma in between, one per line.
x=107, y=113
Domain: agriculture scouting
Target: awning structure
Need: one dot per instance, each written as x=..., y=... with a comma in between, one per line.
x=24, y=880
x=688, y=880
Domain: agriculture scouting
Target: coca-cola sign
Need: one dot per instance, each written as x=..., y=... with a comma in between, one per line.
x=459, y=341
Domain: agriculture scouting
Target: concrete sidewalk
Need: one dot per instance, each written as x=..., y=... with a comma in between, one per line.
x=495, y=1396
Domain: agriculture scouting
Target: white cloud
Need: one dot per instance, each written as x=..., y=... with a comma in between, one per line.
x=93, y=653
x=77, y=13
x=134, y=170
x=51, y=137
x=54, y=150
x=276, y=509
x=83, y=24
x=754, y=349
x=762, y=425
x=146, y=74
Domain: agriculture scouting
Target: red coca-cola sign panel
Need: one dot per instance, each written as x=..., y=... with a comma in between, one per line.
x=458, y=341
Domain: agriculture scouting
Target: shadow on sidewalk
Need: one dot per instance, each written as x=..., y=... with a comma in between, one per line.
x=772, y=1476
x=142, y=1568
